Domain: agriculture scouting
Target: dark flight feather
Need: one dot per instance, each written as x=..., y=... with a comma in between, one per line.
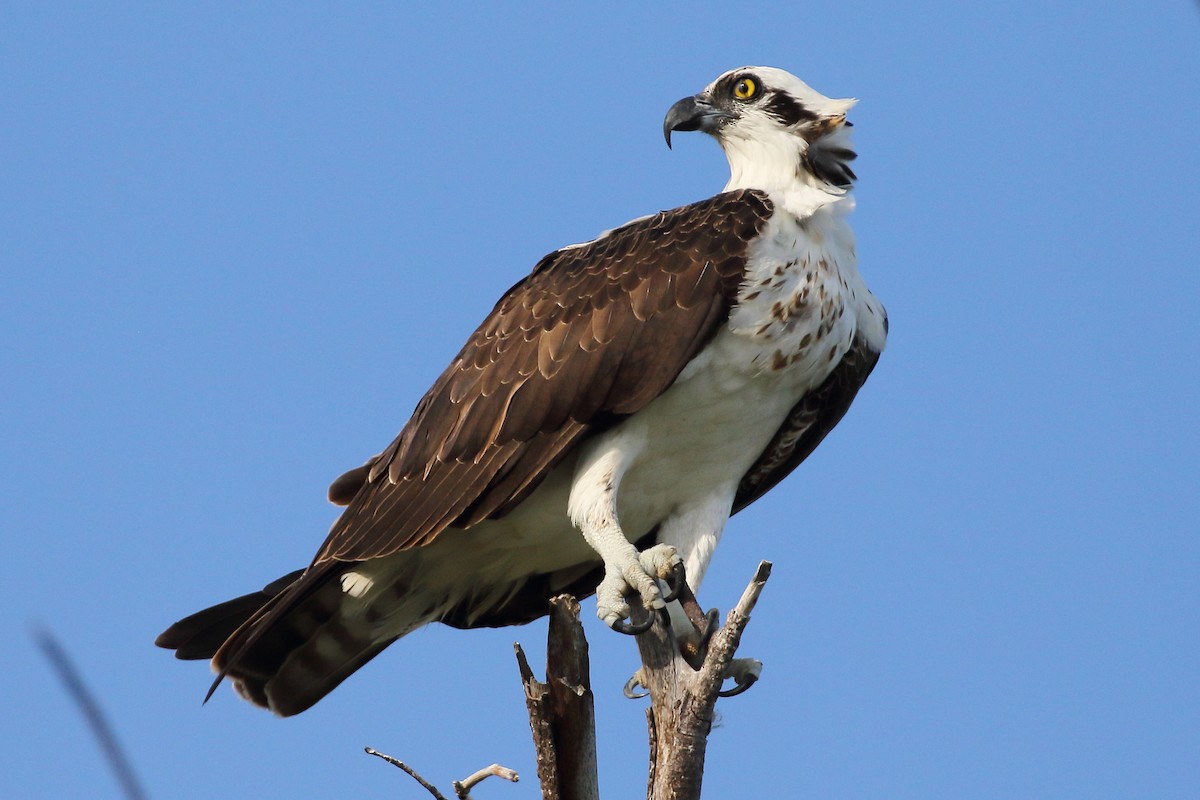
x=593, y=334
x=599, y=313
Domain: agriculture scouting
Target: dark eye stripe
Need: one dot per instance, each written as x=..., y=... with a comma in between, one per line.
x=787, y=109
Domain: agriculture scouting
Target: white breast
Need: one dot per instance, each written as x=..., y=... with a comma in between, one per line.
x=798, y=312
x=798, y=308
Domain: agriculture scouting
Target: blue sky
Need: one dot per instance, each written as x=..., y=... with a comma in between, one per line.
x=238, y=243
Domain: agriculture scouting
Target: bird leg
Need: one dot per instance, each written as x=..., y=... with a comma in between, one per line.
x=593, y=508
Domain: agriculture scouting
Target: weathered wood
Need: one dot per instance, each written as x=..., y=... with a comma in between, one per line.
x=683, y=700
x=653, y=734
x=562, y=713
x=541, y=723
x=680, y=717
x=568, y=674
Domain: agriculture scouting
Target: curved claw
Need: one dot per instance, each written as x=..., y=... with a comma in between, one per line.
x=675, y=583
x=694, y=655
x=633, y=628
x=739, y=688
x=634, y=681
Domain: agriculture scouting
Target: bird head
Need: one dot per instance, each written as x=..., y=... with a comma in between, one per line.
x=775, y=130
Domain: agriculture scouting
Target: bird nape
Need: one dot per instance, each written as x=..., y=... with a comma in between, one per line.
x=604, y=421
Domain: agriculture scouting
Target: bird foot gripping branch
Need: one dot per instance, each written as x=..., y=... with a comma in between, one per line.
x=707, y=649
x=662, y=561
x=674, y=369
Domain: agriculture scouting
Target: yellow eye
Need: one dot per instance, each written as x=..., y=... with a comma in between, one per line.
x=745, y=89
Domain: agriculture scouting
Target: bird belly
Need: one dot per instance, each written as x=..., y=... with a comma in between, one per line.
x=697, y=440
x=694, y=441
x=690, y=447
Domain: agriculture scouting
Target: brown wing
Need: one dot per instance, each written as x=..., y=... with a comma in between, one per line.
x=807, y=424
x=593, y=334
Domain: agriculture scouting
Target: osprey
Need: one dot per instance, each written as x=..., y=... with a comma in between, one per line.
x=599, y=428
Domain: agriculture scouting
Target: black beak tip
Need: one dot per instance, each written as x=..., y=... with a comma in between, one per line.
x=683, y=116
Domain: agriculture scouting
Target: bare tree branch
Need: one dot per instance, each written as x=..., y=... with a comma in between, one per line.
x=73, y=681
x=561, y=710
x=541, y=717
x=568, y=675
x=463, y=788
x=395, y=762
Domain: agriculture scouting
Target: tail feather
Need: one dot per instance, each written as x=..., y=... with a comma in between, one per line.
x=310, y=672
x=200, y=635
x=289, y=645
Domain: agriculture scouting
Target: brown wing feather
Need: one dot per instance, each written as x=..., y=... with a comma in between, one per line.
x=595, y=332
x=807, y=424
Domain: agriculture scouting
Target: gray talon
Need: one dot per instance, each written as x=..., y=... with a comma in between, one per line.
x=739, y=688
x=633, y=628
x=675, y=583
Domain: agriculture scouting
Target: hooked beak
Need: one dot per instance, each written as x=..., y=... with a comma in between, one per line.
x=693, y=113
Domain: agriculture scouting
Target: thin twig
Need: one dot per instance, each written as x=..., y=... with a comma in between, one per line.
x=96, y=720
x=463, y=788
x=395, y=762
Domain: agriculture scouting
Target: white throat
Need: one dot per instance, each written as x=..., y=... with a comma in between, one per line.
x=772, y=164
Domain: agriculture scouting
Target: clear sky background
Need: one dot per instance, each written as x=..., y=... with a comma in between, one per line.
x=238, y=243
